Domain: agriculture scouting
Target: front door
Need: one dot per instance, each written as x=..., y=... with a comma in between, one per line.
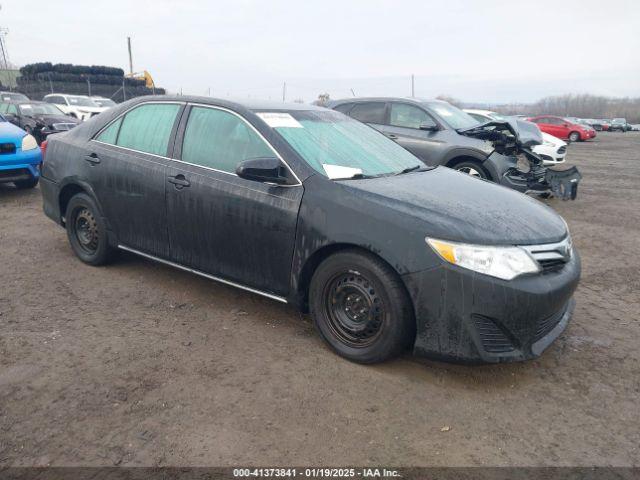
x=126, y=166
x=404, y=127
x=237, y=229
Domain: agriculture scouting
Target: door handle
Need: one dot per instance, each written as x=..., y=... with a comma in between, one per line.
x=92, y=158
x=179, y=181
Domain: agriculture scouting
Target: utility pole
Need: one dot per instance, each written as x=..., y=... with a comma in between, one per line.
x=130, y=57
x=89, y=86
x=284, y=91
x=413, y=86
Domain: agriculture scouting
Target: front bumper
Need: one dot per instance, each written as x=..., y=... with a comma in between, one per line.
x=20, y=165
x=464, y=316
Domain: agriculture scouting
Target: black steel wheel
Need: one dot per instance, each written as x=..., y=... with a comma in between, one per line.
x=355, y=310
x=87, y=231
x=360, y=307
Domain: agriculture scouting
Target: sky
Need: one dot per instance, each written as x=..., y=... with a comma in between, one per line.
x=477, y=51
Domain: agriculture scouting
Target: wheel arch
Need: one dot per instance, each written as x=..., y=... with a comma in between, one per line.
x=316, y=258
x=451, y=163
x=68, y=190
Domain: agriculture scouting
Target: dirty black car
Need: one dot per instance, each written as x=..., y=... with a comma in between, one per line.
x=441, y=134
x=39, y=119
x=307, y=206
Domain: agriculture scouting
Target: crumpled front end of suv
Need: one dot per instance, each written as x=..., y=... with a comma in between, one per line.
x=517, y=166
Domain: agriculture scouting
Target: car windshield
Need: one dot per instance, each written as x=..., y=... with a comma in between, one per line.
x=13, y=96
x=339, y=147
x=619, y=120
x=104, y=102
x=453, y=116
x=81, y=101
x=30, y=109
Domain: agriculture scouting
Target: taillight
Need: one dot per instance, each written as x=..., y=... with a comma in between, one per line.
x=43, y=148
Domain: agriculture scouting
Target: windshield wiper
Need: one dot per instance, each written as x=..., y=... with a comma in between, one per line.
x=409, y=169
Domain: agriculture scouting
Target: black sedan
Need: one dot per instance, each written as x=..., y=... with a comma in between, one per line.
x=307, y=206
x=39, y=119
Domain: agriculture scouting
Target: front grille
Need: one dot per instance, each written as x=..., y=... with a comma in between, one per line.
x=7, y=148
x=551, y=257
x=63, y=126
x=493, y=339
x=562, y=150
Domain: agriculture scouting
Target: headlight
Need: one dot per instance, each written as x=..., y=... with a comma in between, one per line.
x=29, y=143
x=548, y=143
x=500, y=262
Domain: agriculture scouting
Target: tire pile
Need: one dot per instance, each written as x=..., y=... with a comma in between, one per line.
x=40, y=79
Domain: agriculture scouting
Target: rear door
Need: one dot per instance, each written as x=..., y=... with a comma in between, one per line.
x=372, y=113
x=239, y=230
x=126, y=165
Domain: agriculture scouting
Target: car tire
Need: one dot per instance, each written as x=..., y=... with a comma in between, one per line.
x=86, y=230
x=360, y=307
x=473, y=169
x=574, y=137
x=25, y=184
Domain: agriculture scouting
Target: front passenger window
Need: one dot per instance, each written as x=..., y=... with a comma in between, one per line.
x=409, y=116
x=220, y=140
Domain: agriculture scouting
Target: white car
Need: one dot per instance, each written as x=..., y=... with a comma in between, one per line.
x=552, y=151
x=103, y=102
x=78, y=106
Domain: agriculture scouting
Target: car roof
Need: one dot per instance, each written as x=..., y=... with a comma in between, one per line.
x=414, y=100
x=248, y=104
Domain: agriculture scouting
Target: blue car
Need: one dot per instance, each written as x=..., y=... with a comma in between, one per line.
x=20, y=156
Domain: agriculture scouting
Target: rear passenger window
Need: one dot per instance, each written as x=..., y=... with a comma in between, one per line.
x=220, y=140
x=110, y=134
x=372, y=112
x=147, y=128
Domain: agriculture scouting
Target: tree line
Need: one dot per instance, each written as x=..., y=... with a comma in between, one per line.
x=581, y=106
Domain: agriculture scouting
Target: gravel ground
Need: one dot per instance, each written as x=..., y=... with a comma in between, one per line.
x=141, y=364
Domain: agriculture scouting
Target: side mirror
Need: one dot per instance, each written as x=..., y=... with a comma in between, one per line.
x=263, y=169
x=429, y=127
x=565, y=125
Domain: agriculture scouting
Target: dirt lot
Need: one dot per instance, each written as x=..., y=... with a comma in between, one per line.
x=141, y=364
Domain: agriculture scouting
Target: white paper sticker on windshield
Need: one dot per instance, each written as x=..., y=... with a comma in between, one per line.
x=279, y=119
x=338, y=171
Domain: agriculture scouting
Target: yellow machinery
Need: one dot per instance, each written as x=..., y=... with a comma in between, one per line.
x=144, y=75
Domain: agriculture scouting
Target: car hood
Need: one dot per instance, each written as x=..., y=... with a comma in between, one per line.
x=457, y=207
x=525, y=133
x=49, y=119
x=10, y=133
x=551, y=139
x=91, y=109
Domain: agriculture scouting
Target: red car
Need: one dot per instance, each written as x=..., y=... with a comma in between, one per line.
x=562, y=128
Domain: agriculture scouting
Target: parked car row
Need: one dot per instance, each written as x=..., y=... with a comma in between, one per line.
x=25, y=124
